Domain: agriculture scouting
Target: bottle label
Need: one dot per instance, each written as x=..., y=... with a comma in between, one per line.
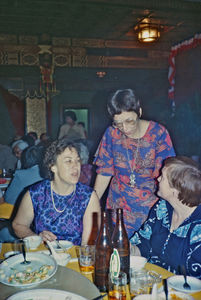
x=115, y=263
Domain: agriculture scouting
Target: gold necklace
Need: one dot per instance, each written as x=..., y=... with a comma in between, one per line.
x=132, y=176
x=57, y=210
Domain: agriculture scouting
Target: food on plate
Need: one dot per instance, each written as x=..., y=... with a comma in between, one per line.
x=175, y=297
x=29, y=276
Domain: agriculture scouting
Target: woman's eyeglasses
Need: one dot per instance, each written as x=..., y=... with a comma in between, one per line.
x=120, y=125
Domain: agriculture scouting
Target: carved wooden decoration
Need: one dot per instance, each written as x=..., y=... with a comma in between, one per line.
x=36, y=113
x=67, y=52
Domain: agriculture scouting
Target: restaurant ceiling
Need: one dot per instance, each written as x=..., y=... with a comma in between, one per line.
x=100, y=19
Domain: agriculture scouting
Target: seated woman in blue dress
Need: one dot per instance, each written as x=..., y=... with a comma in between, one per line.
x=59, y=207
x=171, y=236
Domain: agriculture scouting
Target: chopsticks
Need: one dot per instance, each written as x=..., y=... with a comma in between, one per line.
x=165, y=288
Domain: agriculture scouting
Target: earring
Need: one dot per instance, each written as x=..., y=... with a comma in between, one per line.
x=52, y=169
x=140, y=112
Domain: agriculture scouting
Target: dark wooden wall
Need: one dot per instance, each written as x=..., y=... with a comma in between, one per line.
x=81, y=87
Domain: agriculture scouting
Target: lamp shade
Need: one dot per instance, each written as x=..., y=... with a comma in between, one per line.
x=148, y=33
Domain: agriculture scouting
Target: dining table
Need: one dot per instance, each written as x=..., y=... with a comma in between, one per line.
x=69, y=277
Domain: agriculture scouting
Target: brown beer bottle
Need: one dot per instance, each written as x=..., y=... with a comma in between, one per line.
x=102, y=254
x=120, y=242
x=94, y=231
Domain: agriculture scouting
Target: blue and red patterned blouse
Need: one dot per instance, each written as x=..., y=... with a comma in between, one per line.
x=67, y=225
x=118, y=155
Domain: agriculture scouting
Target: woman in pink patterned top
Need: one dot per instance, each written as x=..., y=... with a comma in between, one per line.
x=129, y=158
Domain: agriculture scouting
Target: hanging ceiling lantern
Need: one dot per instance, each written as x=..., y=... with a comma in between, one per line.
x=147, y=32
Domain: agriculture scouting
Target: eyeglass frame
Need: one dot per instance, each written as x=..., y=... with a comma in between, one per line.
x=129, y=122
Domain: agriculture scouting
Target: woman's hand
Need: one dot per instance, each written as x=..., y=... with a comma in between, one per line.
x=93, y=207
x=48, y=236
x=101, y=184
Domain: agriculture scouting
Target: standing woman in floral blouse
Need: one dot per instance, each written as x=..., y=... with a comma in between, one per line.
x=171, y=236
x=130, y=155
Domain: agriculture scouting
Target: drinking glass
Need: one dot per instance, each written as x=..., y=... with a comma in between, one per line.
x=139, y=282
x=87, y=258
x=17, y=246
x=117, y=286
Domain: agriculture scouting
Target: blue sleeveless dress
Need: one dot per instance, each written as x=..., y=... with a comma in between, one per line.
x=66, y=225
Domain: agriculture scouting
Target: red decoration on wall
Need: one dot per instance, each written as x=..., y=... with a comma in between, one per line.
x=175, y=50
x=47, y=82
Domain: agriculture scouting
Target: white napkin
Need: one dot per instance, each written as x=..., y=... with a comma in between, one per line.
x=154, y=293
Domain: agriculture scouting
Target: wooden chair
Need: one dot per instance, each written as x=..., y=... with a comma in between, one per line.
x=6, y=210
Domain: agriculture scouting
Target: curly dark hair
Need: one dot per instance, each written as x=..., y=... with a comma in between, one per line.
x=184, y=175
x=123, y=100
x=56, y=148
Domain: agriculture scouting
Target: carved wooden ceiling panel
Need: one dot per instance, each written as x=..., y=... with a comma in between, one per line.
x=94, y=33
x=99, y=19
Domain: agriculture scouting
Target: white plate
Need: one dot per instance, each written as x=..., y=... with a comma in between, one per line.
x=45, y=294
x=176, y=282
x=5, y=184
x=181, y=295
x=11, y=253
x=65, y=244
x=161, y=296
x=12, y=265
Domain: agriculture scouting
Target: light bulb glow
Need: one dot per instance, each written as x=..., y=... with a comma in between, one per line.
x=148, y=34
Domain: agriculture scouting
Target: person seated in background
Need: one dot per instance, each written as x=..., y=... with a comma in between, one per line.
x=31, y=159
x=45, y=140
x=60, y=207
x=82, y=125
x=71, y=129
x=86, y=168
x=18, y=146
x=34, y=136
x=171, y=236
x=7, y=159
x=28, y=139
x=44, y=137
x=30, y=173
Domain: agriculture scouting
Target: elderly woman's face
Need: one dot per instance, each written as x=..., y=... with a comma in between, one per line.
x=67, y=166
x=126, y=122
x=17, y=151
x=165, y=191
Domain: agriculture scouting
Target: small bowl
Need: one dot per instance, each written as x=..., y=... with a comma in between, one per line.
x=137, y=262
x=32, y=242
x=64, y=245
x=62, y=258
